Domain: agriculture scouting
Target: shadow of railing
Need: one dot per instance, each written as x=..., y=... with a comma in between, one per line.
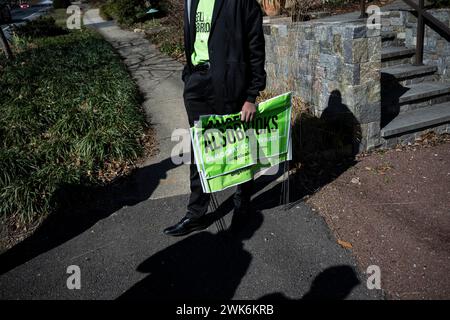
x=391, y=91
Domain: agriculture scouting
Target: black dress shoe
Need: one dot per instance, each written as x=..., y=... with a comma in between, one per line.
x=186, y=226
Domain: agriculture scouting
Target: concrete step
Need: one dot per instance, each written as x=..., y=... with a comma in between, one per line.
x=396, y=52
x=406, y=71
x=389, y=39
x=422, y=91
x=417, y=120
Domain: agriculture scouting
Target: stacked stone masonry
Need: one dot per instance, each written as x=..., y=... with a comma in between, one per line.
x=320, y=59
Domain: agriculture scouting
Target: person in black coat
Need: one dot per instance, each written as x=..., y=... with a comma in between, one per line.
x=225, y=53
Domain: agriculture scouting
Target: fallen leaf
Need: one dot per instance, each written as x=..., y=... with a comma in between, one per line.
x=345, y=244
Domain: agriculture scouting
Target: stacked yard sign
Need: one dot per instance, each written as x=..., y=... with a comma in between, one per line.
x=229, y=152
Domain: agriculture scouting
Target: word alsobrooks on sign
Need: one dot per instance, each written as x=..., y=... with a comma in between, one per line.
x=229, y=152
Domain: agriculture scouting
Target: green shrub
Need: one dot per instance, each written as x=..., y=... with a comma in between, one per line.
x=166, y=6
x=105, y=12
x=41, y=27
x=125, y=11
x=68, y=111
x=61, y=4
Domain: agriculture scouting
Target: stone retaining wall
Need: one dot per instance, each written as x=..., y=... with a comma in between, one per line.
x=332, y=66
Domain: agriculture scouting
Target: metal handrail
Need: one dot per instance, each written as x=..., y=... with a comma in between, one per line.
x=423, y=17
x=363, y=9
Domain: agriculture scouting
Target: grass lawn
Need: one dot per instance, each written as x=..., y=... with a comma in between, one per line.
x=69, y=114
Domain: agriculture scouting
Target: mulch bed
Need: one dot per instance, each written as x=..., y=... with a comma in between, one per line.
x=392, y=209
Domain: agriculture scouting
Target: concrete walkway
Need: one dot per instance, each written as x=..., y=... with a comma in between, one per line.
x=121, y=251
x=158, y=78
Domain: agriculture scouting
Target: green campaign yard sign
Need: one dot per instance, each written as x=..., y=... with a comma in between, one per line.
x=229, y=152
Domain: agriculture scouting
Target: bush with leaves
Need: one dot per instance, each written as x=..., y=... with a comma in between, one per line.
x=105, y=11
x=125, y=11
x=41, y=27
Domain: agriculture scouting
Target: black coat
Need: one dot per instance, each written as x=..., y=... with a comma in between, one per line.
x=236, y=51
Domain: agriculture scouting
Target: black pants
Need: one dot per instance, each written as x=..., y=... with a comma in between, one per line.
x=199, y=100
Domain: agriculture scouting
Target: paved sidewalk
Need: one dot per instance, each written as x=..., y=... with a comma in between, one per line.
x=159, y=80
x=278, y=254
x=122, y=252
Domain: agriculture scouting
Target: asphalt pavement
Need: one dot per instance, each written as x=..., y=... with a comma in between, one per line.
x=270, y=254
x=20, y=16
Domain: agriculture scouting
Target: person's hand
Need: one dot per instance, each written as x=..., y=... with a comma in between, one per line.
x=248, y=111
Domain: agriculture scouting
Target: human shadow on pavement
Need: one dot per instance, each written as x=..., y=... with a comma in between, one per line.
x=323, y=147
x=202, y=266
x=80, y=207
x=334, y=283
